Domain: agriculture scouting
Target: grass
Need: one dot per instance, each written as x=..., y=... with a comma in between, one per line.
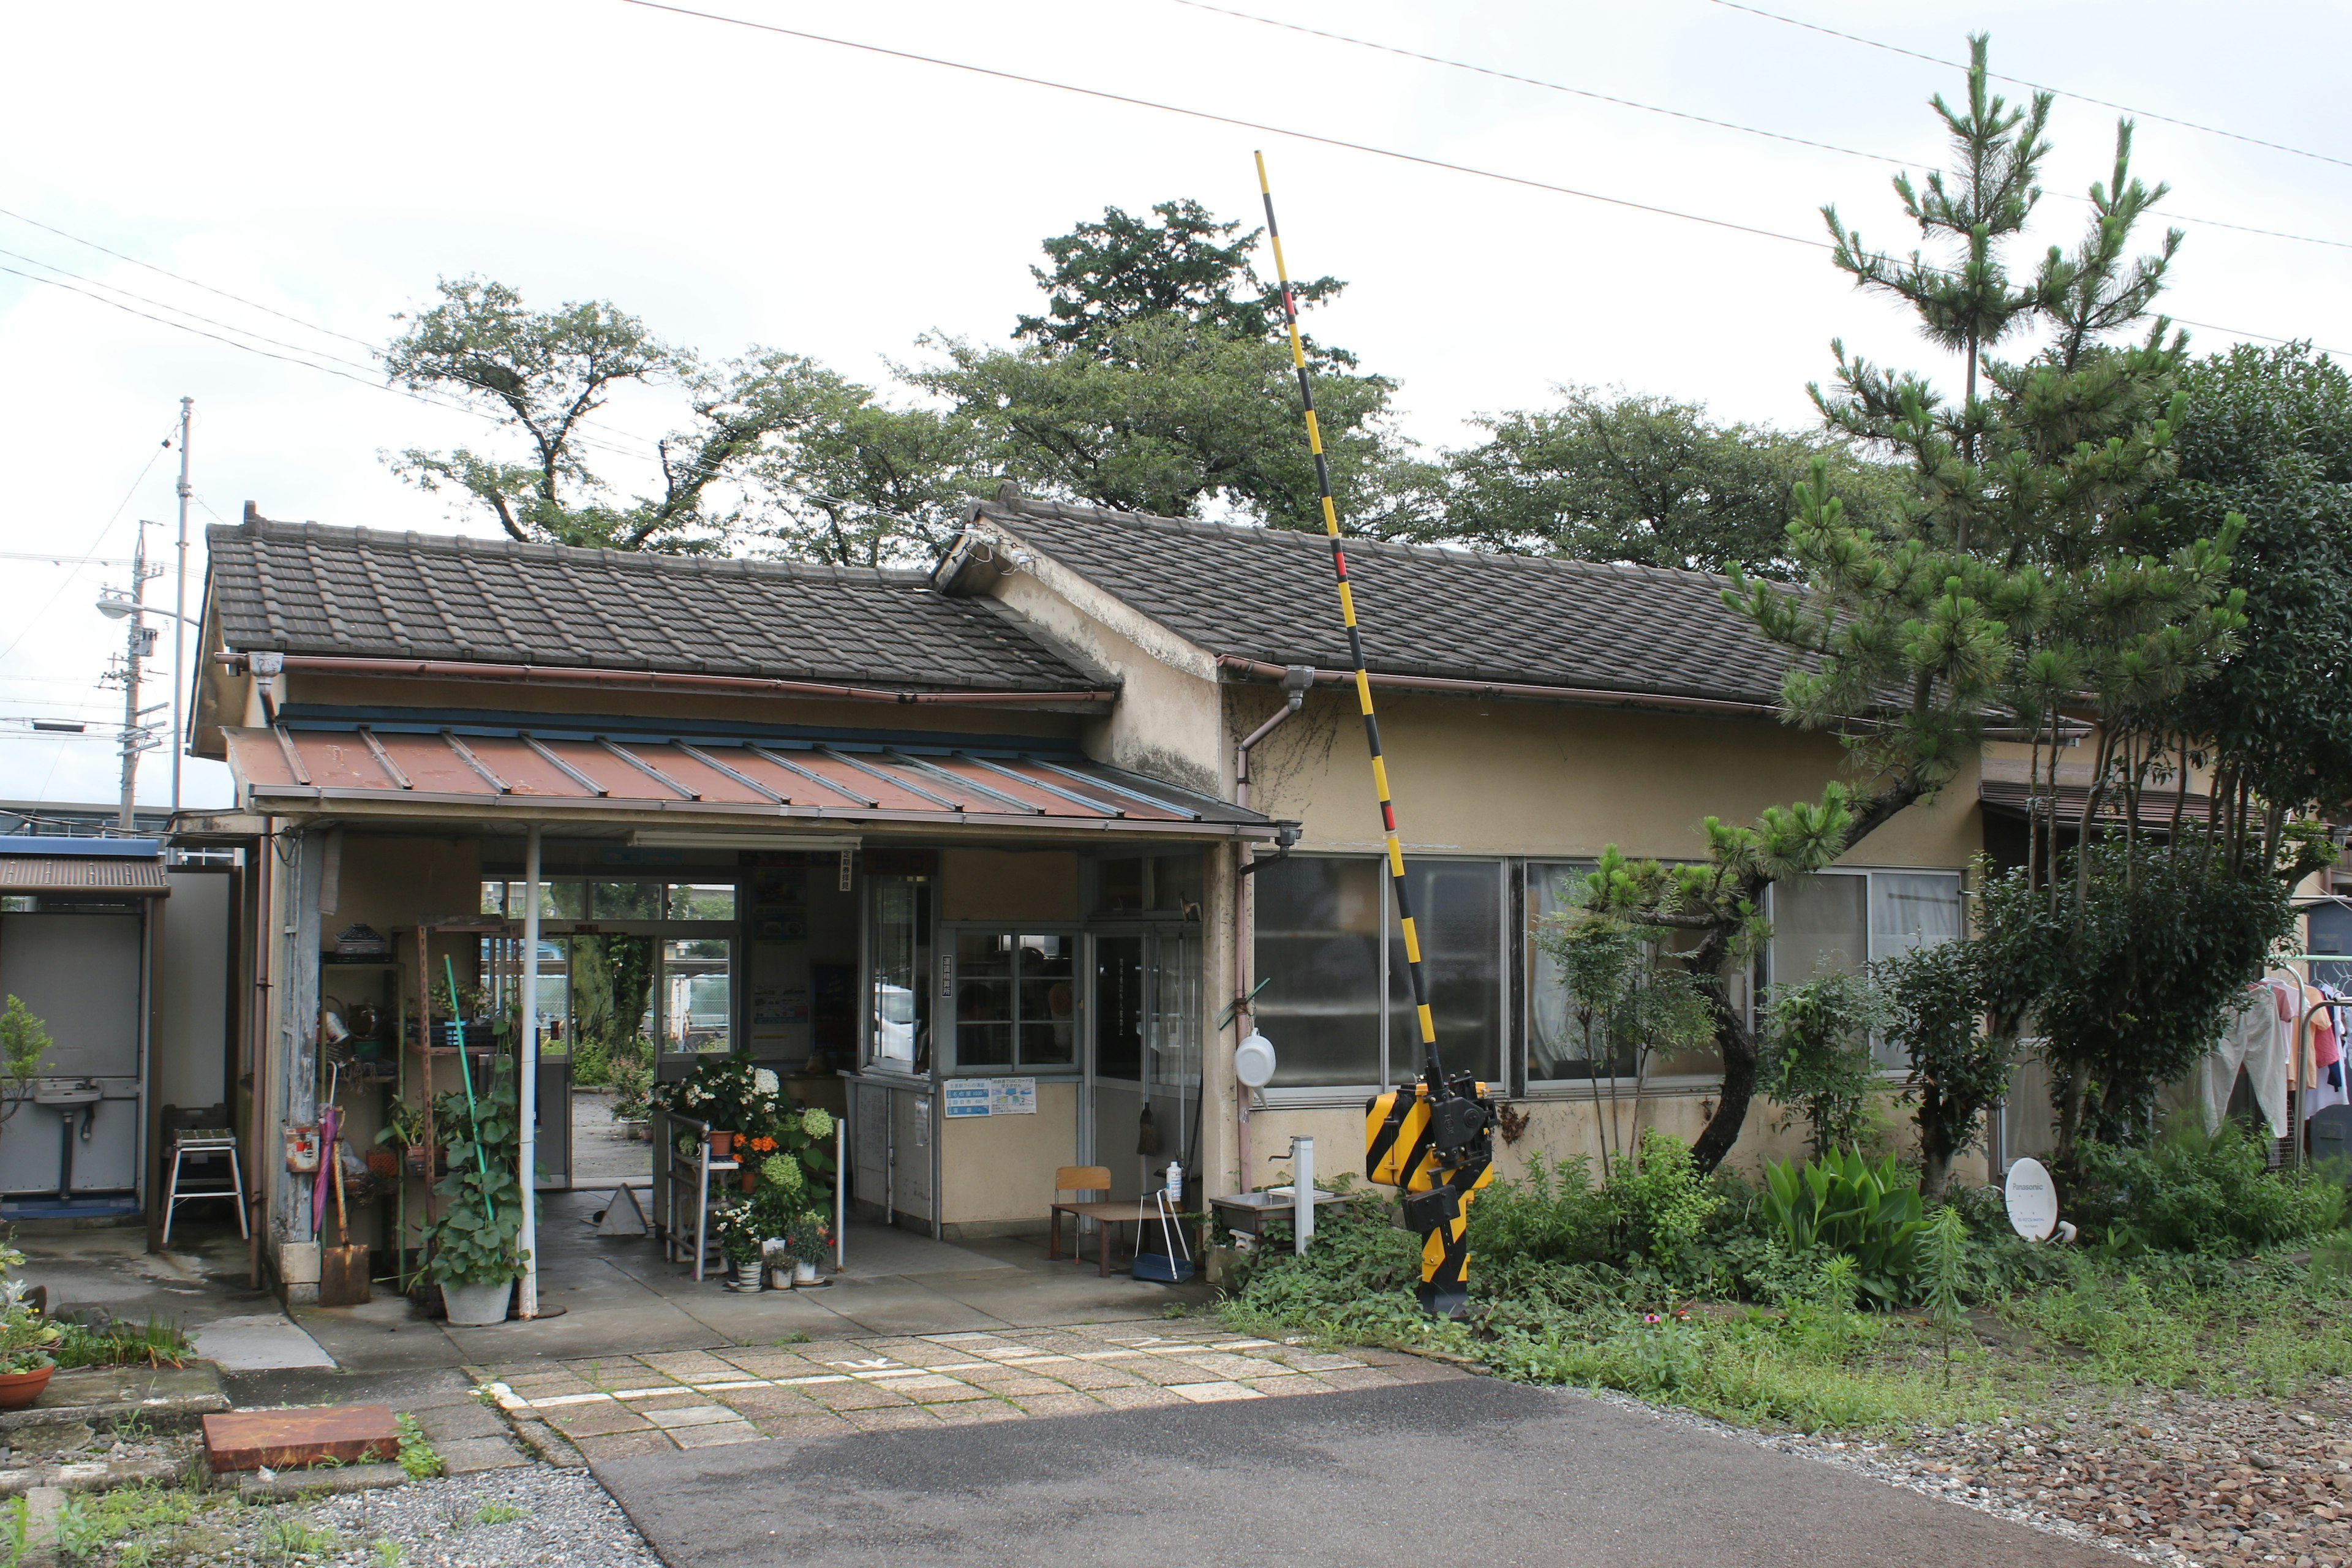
x=146, y=1526
x=154, y=1344
x=499, y=1513
x=417, y=1457
x=387, y=1551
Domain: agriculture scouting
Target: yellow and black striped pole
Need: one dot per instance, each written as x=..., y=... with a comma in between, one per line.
x=1435, y=1140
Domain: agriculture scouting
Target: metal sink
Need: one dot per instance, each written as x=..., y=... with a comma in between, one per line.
x=66, y=1090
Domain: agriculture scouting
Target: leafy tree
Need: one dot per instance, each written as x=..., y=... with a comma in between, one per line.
x=2013, y=579
x=860, y=483
x=1641, y=478
x=1112, y=275
x=1959, y=1043
x=24, y=1041
x=542, y=374
x=1817, y=1059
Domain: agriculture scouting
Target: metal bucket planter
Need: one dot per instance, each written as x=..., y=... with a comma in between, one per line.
x=477, y=1306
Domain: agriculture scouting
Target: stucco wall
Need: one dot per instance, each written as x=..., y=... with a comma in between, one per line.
x=1530, y=778
x=999, y=1170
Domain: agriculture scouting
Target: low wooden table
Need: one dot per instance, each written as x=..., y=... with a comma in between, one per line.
x=1108, y=1214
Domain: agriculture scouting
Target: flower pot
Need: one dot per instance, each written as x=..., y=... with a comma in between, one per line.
x=18, y=1389
x=723, y=1144
x=413, y=1161
x=382, y=1163
x=779, y=1277
x=803, y=1273
x=477, y=1306
x=747, y=1275
x=751, y=1178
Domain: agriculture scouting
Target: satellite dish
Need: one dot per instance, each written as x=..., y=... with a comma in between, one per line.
x=1254, y=1062
x=2032, y=1199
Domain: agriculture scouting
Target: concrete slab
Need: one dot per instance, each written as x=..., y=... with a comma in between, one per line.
x=872, y=1250
x=258, y=1341
x=166, y=1398
x=278, y=1439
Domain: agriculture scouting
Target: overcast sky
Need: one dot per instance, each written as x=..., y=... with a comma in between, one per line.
x=734, y=188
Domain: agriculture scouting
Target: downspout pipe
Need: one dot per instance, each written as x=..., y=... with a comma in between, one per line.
x=1296, y=680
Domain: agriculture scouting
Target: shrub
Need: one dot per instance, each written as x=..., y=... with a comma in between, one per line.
x=1664, y=1202
x=1844, y=1205
x=1551, y=1216
x=2200, y=1192
x=1816, y=1056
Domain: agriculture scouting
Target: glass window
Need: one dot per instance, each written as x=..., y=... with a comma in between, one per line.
x=1457, y=910
x=1016, y=1000
x=1318, y=949
x=702, y=900
x=1148, y=884
x=558, y=900
x=625, y=900
x=1818, y=927
x=1118, y=1007
x=1912, y=909
x=898, y=945
x=697, y=994
x=1560, y=1043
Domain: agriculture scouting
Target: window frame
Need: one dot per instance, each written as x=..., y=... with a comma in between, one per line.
x=951, y=1064
x=1768, y=975
x=1510, y=1040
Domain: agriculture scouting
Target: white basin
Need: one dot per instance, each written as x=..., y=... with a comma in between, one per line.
x=66, y=1090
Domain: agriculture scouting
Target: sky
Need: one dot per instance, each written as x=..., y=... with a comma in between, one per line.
x=308, y=172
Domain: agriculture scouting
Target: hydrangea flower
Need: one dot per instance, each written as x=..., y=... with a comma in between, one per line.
x=766, y=1082
x=784, y=1172
x=816, y=1122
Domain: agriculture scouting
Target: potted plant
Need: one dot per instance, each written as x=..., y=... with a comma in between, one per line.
x=25, y=1336
x=806, y=1239
x=404, y=1124
x=728, y=1095
x=755, y=1150
x=475, y=1259
x=738, y=1230
x=779, y=1198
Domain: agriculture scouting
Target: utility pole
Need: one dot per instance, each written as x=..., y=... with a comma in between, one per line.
x=179, y=607
x=139, y=641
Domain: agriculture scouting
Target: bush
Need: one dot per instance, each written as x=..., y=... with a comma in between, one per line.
x=1551, y=1217
x=1844, y=1206
x=2199, y=1192
x=1665, y=1204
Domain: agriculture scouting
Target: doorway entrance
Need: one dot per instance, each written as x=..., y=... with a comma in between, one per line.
x=1143, y=1067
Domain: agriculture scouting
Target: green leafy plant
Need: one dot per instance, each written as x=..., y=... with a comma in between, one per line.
x=807, y=1237
x=738, y=1226
x=1663, y=1204
x=27, y=1338
x=473, y=1241
x=1936, y=1012
x=418, y=1458
x=1817, y=1059
x=2200, y=1192
x=733, y=1094
x=495, y=1513
x=1944, y=1256
x=1846, y=1206
x=404, y=1125
x=24, y=1041
x=154, y=1344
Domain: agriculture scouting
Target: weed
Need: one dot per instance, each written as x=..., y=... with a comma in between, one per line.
x=498, y=1513
x=797, y=1337
x=287, y=1539
x=1173, y=1309
x=387, y=1551
x=417, y=1458
x=156, y=1343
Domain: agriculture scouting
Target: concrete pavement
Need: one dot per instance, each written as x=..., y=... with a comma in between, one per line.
x=1461, y=1471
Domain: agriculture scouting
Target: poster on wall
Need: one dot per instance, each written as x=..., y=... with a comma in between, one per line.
x=967, y=1096
x=1012, y=1097
x=779, y=903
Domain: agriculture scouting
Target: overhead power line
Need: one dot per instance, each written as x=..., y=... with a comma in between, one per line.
x=2037, y=87
x=1732, y=125
x=1211, y=117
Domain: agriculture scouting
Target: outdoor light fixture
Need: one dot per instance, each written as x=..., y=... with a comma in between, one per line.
x=113, y=607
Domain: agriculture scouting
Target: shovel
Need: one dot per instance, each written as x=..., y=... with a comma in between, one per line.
x=343, y=1270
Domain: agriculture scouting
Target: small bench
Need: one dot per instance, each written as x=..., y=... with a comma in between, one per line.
x=1106, y=1211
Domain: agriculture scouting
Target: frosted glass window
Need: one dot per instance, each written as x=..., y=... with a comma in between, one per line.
x=1458, y=907
x=1318, y=952
x=1818, y=927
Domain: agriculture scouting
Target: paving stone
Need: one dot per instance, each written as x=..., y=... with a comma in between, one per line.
x=893, y=1420
x=1166, y=1371
x=768, y=1401
x=802, y=1428
x=278, y=1439
x=1095, y=1375
x=689, y=1366
x=1210, y=1392
x=697, y=1415
x=1361, y=1377
x=944, y=1391
x=975, y=1414
x=855, y=1395
x=824, y=1352
x=318, y=1483
x=471, y=1419
x=595, y=1420
x=623, y=1445
x=717, y=1435
x=560, y=1381
x=1419, y=1371
x=467, y=1455
x=1236, y=1367
x=547, y=1444
x=1014, y=1384
x=1289, y=1383
x=772, y=1363
x=1136, y=1398
x=1308, y=1361
x=684, y=1399
x=1058, y=1403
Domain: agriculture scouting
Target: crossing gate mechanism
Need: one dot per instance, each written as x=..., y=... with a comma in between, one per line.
x=1435, y=1141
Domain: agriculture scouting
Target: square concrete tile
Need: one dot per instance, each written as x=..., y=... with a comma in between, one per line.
x=1210, y=1392
x=1136, y=1398
x=1012, y=1384
x=450, y=1422
x=1290, y=1383
x=807, y=1426
x=855, y=1395
x=577, y=1421
x=1058, y=1403
x=468, y=1455
x=975, y=1414
x=697, y=1415
x=684, y=1399
x=896, y=1420
x=1361, y=1377
x=623, y=1445
x=772, y=1363
x=947, y=1391
x=1096, y=1376
x=768, y=1401
x=691, y=1366
x=1425, y=1372
x=717, y=1435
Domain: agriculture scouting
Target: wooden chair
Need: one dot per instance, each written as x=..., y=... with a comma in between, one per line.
x=1071, y=1185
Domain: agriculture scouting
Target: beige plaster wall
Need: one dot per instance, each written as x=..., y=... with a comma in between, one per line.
x=1009, y=885
x=999, y=1170
x=1528, y=778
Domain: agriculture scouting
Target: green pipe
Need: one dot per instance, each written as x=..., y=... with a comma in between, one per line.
x=465, y=1077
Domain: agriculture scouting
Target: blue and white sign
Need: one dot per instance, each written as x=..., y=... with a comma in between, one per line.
x=967, y=1096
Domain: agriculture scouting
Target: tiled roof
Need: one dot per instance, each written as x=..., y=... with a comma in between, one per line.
x=300, y=588
x=1266, y=595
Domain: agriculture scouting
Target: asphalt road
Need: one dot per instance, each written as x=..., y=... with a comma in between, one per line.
x=1470, y=1471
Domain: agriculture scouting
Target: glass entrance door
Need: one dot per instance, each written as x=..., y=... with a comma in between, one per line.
x=1143, y=1060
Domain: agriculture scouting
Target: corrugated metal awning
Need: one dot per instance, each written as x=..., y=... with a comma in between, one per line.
x=23, y=874
x=2013, y=796
x=473, y=768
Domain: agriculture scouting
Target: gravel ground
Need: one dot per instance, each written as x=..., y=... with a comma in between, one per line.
x=496, y=1519
x=2169, y=1478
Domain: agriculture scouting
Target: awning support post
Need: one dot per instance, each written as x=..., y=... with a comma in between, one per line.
x=527, y=1088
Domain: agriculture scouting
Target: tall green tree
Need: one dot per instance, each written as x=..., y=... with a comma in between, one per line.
x=1156, y=381
x=1641, y=478
x=2013, y=581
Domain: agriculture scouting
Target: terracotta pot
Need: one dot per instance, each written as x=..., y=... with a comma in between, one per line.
x=382, y=1163
x=18, y=1389
x=751, y=1178
x=722, y=1143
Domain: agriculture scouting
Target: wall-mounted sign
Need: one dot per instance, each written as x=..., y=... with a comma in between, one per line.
x=1012, y=1097
x=967, y=1096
